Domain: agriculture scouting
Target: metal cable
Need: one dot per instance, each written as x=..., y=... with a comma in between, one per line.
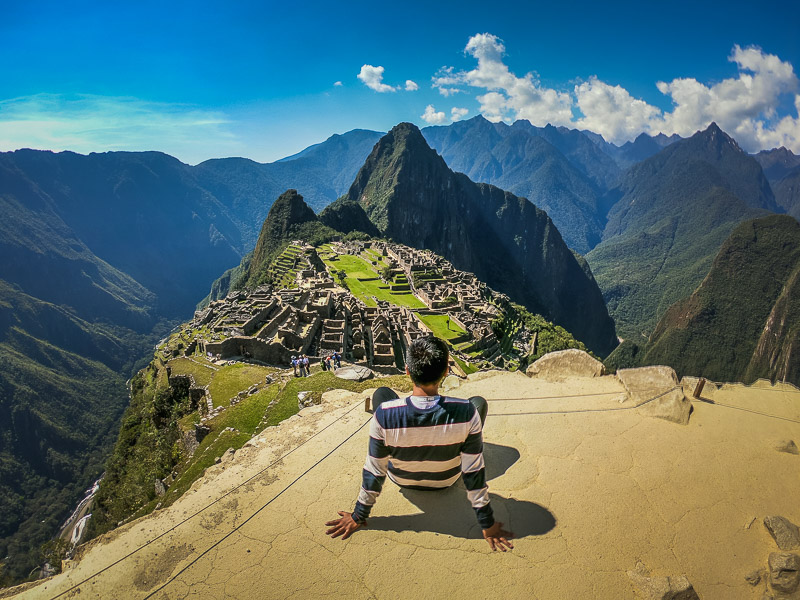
x=207, y=506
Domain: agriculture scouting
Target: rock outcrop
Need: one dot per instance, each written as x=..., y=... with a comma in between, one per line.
x=783, y=531
x=566, y=363
x=656, y=391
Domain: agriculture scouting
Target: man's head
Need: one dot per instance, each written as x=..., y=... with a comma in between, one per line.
x=427, y=360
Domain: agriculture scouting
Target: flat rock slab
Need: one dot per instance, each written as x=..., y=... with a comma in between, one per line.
x=671, y=406
x=645, y=382
x=556, y=366
x=663, y=588
x=353, y=372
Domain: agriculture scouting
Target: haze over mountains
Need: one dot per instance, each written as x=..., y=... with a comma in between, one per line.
x=104, y=253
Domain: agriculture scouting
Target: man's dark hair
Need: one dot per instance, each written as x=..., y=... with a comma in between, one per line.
x=427, y=360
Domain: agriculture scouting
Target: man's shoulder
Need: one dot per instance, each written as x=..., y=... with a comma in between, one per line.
x=450, y=399
x=458, y=405
x=392, y=404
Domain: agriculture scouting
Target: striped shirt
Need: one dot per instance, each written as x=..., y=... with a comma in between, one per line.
x=426, y=448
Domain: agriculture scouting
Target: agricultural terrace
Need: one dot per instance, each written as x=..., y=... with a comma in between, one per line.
x=442, y=326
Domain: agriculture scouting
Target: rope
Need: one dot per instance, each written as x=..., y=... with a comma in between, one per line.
x=750, y=410
x=265, y=505
x=588, y=410
x=557, y=397
x=209, y=505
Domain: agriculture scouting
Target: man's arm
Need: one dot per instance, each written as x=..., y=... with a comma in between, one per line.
x=473, y=471
x=372, y=478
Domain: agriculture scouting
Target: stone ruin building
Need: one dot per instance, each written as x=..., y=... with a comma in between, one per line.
x=310, y=314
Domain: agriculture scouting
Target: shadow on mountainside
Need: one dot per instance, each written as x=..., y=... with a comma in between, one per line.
x=449, y=512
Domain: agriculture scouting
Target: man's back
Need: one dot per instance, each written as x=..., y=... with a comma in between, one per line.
x=425, y=445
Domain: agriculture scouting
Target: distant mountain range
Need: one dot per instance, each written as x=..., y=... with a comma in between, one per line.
x=668, y=218
x=782, y=168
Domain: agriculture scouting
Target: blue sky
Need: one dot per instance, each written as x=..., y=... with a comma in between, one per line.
x=259, y=79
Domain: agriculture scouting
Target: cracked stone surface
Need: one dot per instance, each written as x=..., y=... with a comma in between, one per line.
x=589, y=492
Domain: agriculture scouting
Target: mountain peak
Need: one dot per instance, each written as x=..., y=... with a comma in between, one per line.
x=290, y=208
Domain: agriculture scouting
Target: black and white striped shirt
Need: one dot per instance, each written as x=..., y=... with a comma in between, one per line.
x=426, y=448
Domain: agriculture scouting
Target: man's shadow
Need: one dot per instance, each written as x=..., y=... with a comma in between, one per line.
x=449, y=512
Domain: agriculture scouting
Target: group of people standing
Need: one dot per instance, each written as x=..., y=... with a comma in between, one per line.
x=302, y=368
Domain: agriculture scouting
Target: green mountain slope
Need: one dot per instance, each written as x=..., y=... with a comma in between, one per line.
x=61, y=397
x=412, y=197
x=345, y=215
x=289, y=218
x=743, y=321
x=520, y=159
x=672, y=213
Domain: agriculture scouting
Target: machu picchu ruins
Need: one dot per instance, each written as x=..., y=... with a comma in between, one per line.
x=306, y=310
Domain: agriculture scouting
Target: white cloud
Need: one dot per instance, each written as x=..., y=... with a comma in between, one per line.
x=445, y=81
x=746, y=106
x=456, y=113
x=612, y=112
x=411, y=86
x=91, y=123
x=337, y=84
x=432, y=117
x=511, y=97
x=373, y=79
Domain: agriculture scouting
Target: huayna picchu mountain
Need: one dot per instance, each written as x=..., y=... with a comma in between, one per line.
x=412, y=197
x=743, y=322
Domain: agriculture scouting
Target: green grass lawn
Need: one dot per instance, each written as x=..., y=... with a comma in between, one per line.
x=251, y=415
x=231, y=379
x=439, y=326
x=183, y=366
x=364, y=282
x=467, y=367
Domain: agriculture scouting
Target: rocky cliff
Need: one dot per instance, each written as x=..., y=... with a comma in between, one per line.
x=743, y=321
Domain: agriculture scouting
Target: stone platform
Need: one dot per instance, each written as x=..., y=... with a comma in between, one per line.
x=593, y=495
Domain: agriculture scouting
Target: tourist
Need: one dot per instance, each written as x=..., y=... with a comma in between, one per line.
x=306, y=366
x=300, y=366
x=397, y=431
x=329, y=363
x=337, y=359
x=322, y=364
x=294, y=364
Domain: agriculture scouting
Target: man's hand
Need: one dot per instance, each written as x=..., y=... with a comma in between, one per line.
x=497, y=537
x=344, y=526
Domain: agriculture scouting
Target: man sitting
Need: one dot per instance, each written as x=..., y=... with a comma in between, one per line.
x=431, y=441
